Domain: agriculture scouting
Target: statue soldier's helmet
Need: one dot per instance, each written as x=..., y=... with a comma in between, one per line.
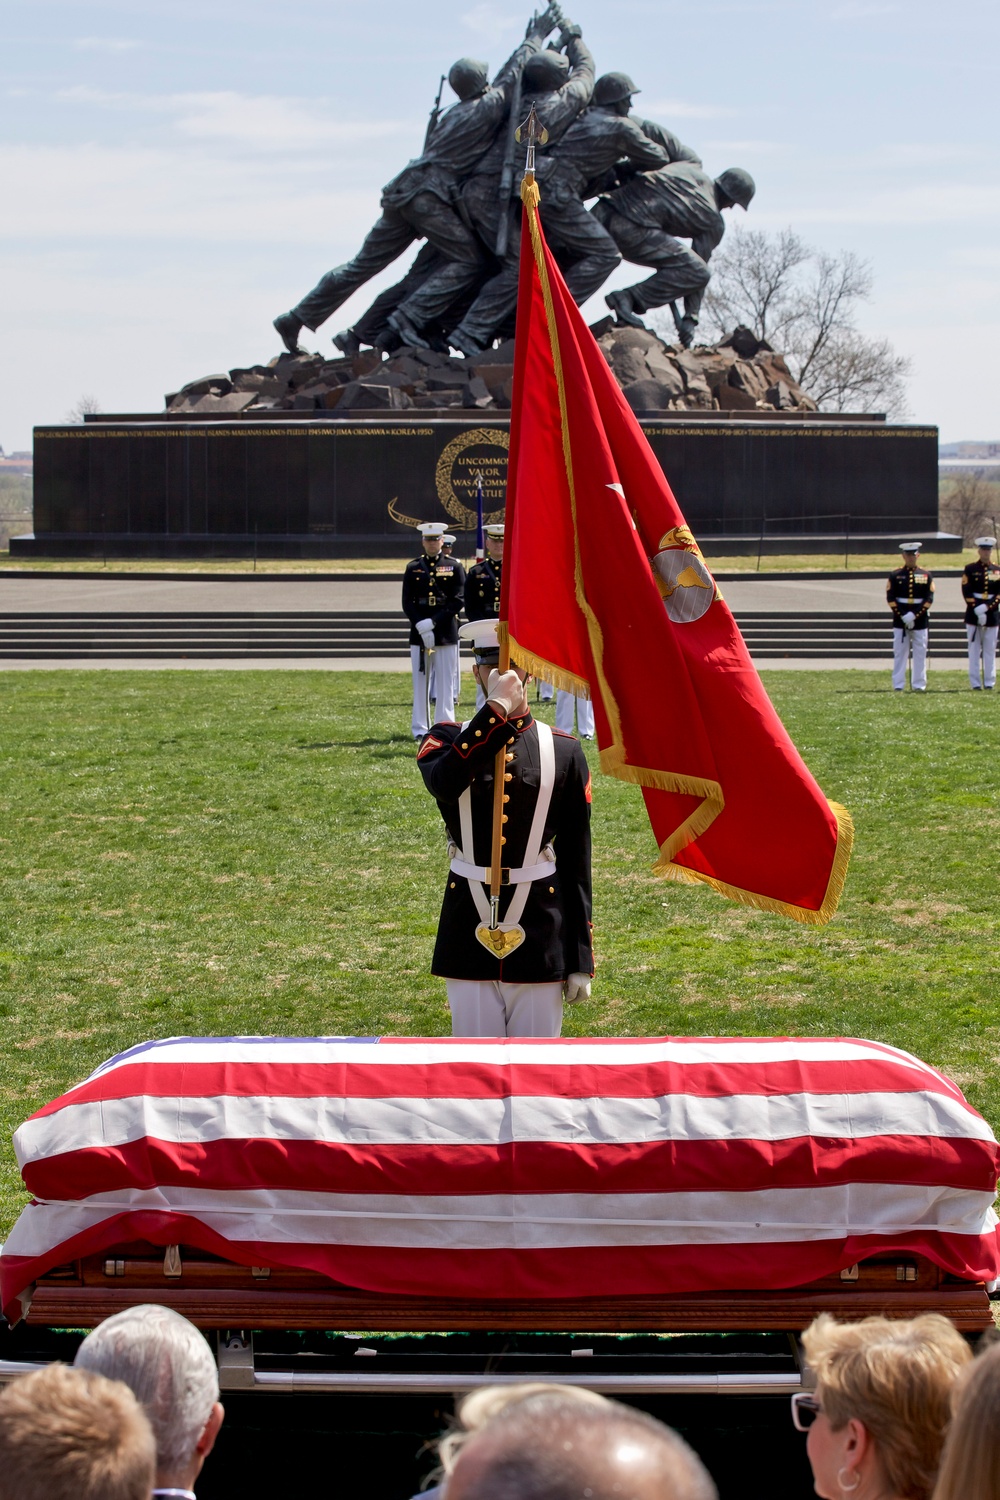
x=610, y=88
x=468, y=77
x=737, y=185
x=546, y=71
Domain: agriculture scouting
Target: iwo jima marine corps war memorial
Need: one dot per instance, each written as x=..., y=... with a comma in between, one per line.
x=414, y=1217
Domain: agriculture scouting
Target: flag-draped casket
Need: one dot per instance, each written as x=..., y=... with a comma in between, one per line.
x=513, y=1168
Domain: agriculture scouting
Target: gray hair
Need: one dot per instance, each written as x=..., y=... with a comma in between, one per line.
x=168, y=1365
x=550, y=1446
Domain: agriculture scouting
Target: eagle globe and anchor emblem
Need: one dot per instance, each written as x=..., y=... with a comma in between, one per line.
x=685, y=584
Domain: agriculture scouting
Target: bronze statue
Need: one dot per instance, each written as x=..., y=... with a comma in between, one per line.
x=417, y=204
x=644, y=218
x=461, y=197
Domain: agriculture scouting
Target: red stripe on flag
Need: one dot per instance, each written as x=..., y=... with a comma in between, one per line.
x=474, y=1080
x=526, y=1167
x=505, y=1276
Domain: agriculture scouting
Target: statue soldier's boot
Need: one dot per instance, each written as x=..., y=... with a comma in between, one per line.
x=347, y=342
x=464, y=344
x=289, y=327
x=623, y=308
x=406, y=330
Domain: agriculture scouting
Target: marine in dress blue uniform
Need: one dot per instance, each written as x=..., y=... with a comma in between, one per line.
x=981, y=592
x=433, y=592
x=909, y=593
x=482, y=586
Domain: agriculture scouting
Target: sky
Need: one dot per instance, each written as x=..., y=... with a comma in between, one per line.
x=174, y=174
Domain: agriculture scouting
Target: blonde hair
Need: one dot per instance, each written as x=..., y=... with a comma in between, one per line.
x=896, y=1378
x=70, y=1434
x=483, y=1405
x=970, y=1465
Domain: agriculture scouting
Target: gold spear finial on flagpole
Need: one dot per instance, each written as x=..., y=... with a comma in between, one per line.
x=531, y=134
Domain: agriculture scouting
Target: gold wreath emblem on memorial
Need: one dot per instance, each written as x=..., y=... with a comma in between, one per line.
x=488, y=437
x=462, y=514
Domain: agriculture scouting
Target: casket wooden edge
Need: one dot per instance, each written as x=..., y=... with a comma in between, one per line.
x=219, y=1294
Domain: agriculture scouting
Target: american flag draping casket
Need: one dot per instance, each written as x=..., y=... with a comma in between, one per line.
x=513, y=1168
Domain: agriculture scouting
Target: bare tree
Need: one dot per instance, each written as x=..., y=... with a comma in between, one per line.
x=754, y=284
x=804, y=303
x=852, y=372
x=84, y=407
x=970, y=504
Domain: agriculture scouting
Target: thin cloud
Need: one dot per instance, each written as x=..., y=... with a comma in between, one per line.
x=862, y=10
x=263, y=121
x=489, y=24
x=679, y=110
x=111, y=44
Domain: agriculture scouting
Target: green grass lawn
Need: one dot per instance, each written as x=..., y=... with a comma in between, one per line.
x=771, y=562
x=254, y=852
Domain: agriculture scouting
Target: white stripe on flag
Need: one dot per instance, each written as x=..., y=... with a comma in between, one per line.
x=452, y=1122
x=620, y=1052
x=530, y=1222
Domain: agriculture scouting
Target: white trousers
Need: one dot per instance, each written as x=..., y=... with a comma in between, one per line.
x=458, y=680
x=545, y=691
x=902, y=641
x=982, y=648
x=444, y=661
x=565, y=703
x=490, y=1007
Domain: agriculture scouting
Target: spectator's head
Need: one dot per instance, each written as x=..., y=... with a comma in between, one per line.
x=970, y=1467
x=167, y=1363
x=883, y=1389
x=69, y=1434
x=490, y=1400
x=552, y=1446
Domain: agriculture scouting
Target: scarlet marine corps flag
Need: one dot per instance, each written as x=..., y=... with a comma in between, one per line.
x=605, y=591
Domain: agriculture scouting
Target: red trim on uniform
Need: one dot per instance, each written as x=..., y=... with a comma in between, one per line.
x=589, y=789
x=430, y=743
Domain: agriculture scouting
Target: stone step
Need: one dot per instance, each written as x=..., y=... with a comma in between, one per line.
x=384, y=634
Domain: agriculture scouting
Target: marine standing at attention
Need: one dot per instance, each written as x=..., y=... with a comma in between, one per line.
x=909, y=593
x=545, y=901
x=433, y=590
x=482, y=586
x=981, y=592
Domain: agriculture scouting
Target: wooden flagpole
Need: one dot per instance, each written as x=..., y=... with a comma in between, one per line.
x=531, y=134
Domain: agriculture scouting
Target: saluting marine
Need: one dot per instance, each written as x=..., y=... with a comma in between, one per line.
x=909, y=593
x=546, y=889
x=981, y=592
x=433, y=588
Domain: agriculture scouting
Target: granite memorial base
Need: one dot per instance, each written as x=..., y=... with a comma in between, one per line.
x=314, y=487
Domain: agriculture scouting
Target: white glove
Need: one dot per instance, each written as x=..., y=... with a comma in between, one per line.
x=425, y=630
x=981, y=613
x=908, y=619
x=506, y=692
x=577, y=987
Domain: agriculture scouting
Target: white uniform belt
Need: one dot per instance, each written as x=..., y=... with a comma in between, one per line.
x=507, y=876
x=909, y=601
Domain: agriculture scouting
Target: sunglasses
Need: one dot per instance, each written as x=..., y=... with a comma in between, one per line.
x=805, y=1410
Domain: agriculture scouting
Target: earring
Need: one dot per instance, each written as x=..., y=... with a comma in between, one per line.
x=848, y=1489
